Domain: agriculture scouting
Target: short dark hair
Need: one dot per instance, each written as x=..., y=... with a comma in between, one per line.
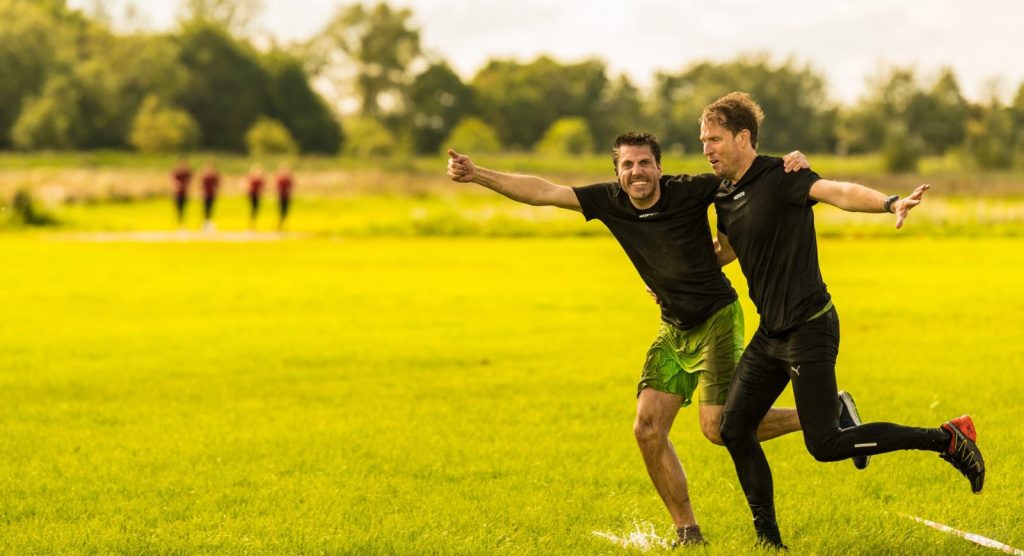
x=635, y=139
x=735, y=111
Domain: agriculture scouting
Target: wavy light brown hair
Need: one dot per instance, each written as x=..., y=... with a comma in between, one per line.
x=735, y=111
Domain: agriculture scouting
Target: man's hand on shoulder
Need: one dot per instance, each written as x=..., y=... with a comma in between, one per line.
x=460, y=167
x=795, y=161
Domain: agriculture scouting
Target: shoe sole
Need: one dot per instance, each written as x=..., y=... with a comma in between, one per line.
x=860, y=462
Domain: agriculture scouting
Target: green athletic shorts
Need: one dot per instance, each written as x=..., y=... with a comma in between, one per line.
x=707, y=355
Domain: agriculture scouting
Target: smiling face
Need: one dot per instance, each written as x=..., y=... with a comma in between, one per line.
x=639, y=174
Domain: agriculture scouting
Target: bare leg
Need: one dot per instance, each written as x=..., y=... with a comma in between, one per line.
x=655, y=412
x=776, y=423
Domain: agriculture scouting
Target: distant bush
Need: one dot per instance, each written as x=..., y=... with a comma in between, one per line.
x=901, y=150
x=158, y=128
x=25, y=212
x=567, y=136
x=367, y=138
x=268, y=136
x=472, y=136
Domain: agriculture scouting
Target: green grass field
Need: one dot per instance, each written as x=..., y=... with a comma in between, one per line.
x=352, y=394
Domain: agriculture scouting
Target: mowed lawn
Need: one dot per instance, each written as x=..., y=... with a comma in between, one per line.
x=458, y=396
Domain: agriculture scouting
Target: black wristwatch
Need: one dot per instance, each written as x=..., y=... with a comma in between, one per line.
x=889, y=201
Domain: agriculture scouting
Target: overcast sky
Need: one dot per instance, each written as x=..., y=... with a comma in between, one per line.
x=845, y=40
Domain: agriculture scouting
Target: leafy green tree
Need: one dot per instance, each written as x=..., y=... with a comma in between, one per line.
x=619, y=109
x=798, y=113
x=295, y=104
x=158, y=128
x=34, y=42
x=472, y=135
x=438, y=99
x=50, y=120
x=567, y=136
x=378, y=45
x=237, y=16
x=521, y=101
x=226, y=85
x=936, y=116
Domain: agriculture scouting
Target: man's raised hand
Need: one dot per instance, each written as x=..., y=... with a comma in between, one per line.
x=902, y=207
x=460, y=167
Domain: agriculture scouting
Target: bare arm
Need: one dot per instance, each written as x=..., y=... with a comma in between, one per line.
x=531, y=190
x=723, y=250
x=852, y=197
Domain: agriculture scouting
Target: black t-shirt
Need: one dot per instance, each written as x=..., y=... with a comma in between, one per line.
x=768, y=218
x=669, y=244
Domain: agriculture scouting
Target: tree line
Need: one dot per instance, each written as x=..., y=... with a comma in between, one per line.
x=71, y=82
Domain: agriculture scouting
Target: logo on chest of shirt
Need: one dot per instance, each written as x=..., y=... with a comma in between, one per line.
x=648, y=215
x=738, y=195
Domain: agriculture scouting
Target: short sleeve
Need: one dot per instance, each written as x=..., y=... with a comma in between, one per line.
x=797, y=186
x=595, y=199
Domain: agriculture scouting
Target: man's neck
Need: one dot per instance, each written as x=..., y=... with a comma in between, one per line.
x=746, y=161
x=648, y=204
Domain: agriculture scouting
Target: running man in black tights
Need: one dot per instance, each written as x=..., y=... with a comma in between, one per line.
x=765, y=220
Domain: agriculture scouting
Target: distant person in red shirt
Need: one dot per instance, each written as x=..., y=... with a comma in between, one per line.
x=254, y=184
x=211, y=183
x=181, y=175
x=285, y=186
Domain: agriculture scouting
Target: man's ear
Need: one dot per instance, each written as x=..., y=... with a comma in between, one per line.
x=744, y=134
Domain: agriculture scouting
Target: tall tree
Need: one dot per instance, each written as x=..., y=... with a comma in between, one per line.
x=379, y=45
x=521, y=101
x=226, y=85
x=35, y=42
x=438, y=99
x=237, y=16
x=293, y=102
x=798, y=113
x=934, y=116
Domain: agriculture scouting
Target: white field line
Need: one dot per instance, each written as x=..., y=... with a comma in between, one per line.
x=976, y=539
x=643, y=537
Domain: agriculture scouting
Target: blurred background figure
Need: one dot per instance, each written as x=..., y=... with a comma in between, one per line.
x=285, y=186
x=211, y=183
x=181, y=175
x=254, y=185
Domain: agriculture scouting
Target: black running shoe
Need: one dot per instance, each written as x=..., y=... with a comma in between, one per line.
x=963, y=453
x=848, y=417
x=689, y=536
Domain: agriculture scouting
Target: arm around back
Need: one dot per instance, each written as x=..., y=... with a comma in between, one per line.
x=530, y=190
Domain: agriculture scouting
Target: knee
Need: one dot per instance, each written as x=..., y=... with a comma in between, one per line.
x=823, y=449
x=647, y=433
x=713, y=433
x=730, y=432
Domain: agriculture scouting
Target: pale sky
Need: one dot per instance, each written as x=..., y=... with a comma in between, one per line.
x=845, y=40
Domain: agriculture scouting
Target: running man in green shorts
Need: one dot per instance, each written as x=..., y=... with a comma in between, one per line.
x=661, y=223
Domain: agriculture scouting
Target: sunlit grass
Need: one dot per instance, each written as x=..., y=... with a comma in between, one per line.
x=455, y=396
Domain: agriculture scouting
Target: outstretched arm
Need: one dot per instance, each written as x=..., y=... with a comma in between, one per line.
x=531, y=190
x=857, y=198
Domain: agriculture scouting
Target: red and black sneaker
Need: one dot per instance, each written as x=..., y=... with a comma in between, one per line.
x=963, y=453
